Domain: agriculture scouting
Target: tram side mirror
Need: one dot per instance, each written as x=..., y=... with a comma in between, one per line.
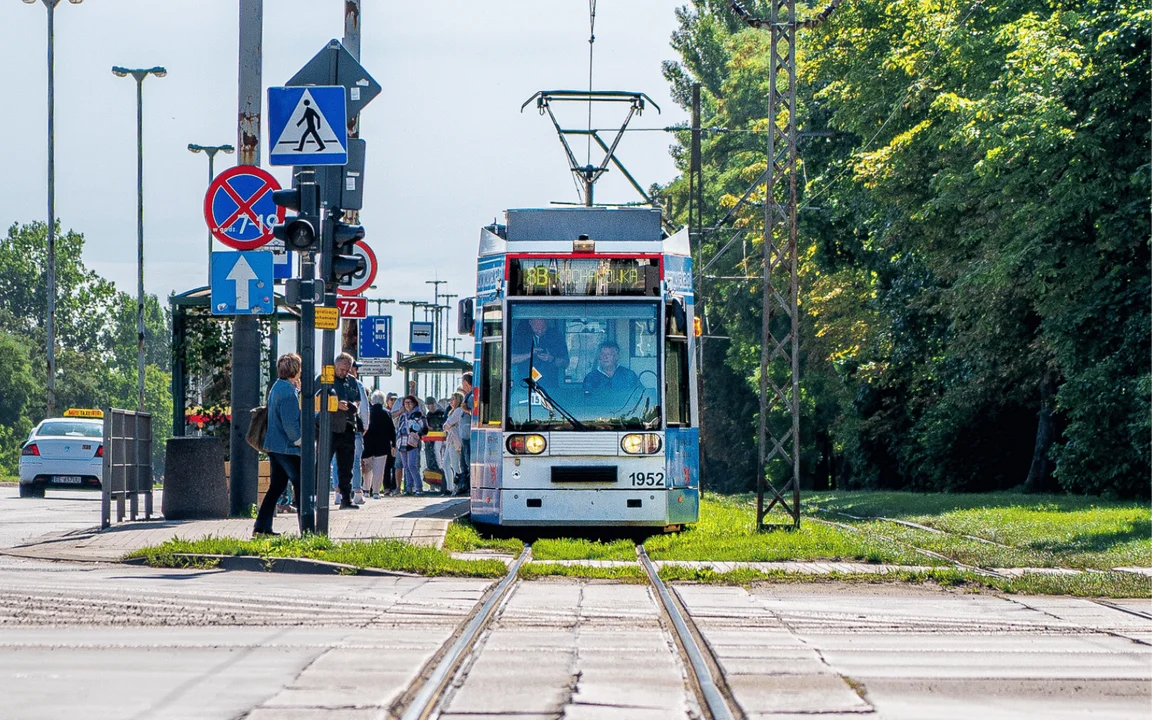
x=677, y=317
x=466, y=317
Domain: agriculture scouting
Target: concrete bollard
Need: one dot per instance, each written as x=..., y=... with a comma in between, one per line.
x=194, y=484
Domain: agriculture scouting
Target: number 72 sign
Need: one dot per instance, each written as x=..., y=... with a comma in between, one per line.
x=352, y=307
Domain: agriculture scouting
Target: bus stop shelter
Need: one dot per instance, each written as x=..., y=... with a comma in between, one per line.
x=430, y=367
x=195, y=306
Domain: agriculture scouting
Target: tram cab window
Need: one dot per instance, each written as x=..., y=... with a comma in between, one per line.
x=584, y=366
x=676, y=378
x=491, y=367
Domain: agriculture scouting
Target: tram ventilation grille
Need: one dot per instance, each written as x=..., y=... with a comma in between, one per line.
x=584, y=444
x=589, y=474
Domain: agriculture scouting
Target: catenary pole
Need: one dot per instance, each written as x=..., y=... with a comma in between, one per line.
x=245, y=328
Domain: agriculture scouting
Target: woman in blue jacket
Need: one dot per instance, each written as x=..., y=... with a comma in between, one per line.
x=413, y=426
x=282, y=440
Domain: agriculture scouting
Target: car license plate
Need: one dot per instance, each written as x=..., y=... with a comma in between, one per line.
x=67, y=479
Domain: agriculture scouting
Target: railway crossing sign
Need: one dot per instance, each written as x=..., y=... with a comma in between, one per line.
x=309, y=125
x=359, y=282
x=242, y=283
x=238, y=207
x=375, y=337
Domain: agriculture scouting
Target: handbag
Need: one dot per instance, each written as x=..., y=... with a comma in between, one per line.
x=258, y=426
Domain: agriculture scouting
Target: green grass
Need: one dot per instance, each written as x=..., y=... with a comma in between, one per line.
x=632, y=574
x=582, y=549
x=726, y=532
x=1101, y=585
x=382, y=554
x=1041, y=530
x=463, y=537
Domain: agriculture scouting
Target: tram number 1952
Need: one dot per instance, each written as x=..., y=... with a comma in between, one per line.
x=647, y=479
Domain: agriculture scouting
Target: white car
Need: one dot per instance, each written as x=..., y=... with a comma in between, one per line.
x=65, y=452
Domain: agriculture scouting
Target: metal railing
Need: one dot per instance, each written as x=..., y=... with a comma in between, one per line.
x=127, y=464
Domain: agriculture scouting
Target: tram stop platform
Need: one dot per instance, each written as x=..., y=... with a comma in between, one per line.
x=418, y=520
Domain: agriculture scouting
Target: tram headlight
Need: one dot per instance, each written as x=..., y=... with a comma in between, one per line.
x=641, y=443
x=526, y=444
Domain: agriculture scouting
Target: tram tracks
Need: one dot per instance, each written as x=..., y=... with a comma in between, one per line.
x=424, y=699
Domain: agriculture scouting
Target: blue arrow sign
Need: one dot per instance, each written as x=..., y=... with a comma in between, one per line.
x=309, y=125
x=375, y=337
x=242, y=283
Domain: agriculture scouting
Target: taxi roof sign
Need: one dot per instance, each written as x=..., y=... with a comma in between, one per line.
x=84, y=413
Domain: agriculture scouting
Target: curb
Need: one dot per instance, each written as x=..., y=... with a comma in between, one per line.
x=292, y=566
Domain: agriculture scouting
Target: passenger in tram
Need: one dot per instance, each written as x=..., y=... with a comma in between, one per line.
x=608, y=373
x=538, y=341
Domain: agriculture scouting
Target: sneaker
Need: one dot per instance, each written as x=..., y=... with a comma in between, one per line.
x=375, y=496
x=358, y=498
x=349, y=506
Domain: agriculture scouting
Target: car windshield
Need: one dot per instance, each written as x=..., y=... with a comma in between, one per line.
x=583, y=366
x=71, y=428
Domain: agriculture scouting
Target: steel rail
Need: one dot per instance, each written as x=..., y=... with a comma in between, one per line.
x=426, y=699
x=717, y=704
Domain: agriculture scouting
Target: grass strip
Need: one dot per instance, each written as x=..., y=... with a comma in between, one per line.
x=1088, y=585
x=381, y=554
x=462, y=536
x=727, y=533
x=630, y=574
x=1043, y=530
x=583, y=549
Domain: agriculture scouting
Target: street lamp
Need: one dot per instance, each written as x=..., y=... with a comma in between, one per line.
x=381, y=301
x=211, y=150
x=139, y=74
x=50, y=322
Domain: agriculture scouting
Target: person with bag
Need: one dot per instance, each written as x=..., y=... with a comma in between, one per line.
x=412, y=428
x=452, y=443
x=281, y=440
x=379, y=444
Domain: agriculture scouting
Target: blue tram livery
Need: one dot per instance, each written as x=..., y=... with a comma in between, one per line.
x=585, y=395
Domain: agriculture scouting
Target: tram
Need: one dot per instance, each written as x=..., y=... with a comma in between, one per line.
x=585, y=409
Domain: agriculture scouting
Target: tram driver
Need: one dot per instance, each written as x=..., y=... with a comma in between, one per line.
x=539, y=342
x=608, y=373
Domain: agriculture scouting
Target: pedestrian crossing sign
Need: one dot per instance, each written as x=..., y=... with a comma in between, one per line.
x=308, y=125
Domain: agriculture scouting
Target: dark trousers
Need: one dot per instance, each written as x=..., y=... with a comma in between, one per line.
x=285, y=469
x=390, y=473
x=344, y=448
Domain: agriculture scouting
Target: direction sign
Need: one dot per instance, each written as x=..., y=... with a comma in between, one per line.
x=242, y=283
x=238, y=207
x=360, y=281
x=375, y=337
x=352, y=307
x=309, y=125
x=420, y=337
x=334, y=65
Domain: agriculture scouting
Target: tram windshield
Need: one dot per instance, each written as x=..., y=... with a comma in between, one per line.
x=584, y=366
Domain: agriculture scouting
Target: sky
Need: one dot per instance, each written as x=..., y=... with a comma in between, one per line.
x=448, y=148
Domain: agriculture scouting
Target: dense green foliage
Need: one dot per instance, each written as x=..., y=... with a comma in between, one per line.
x=96, y=347
x=974, y=241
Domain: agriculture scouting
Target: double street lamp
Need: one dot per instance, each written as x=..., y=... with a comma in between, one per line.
x=211, y=151
x=139, y=74
x=50, y=321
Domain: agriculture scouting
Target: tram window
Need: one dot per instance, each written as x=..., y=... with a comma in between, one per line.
x=491, y=382
x=676, y=382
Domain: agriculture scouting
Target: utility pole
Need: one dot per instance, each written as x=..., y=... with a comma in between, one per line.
x=415, y=304
x=245, y=328
x=50, y=320
x=436, y=311
x=448, y=298
x=780, y=341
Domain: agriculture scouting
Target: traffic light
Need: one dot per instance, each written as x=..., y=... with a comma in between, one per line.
x=344, y=263
x=299, y=232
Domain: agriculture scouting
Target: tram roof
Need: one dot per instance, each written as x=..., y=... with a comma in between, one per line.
x=432, y=362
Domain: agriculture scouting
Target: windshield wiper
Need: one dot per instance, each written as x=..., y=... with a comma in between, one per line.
x=534, y=387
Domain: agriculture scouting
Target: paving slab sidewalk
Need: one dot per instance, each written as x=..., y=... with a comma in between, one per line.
x=417, y=520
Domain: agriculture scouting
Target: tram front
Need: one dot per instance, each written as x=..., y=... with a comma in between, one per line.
x=586, y=409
